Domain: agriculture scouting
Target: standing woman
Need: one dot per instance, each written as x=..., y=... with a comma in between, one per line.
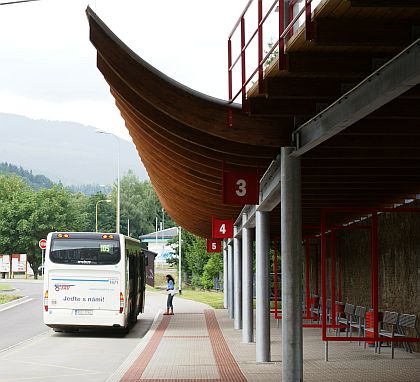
x=170, y=288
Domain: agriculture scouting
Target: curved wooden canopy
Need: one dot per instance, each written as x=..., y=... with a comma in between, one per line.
x=181, y=135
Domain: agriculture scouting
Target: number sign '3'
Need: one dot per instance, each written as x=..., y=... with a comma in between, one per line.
x=214, y=245
x=240, y=187
x=222, y=229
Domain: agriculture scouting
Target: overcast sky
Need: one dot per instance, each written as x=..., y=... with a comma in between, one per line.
x=48, y=66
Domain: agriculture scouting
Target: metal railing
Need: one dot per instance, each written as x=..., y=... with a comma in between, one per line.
x=284, y=33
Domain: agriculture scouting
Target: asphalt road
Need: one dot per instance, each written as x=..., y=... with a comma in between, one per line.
x=23, y=321
x=30, y=350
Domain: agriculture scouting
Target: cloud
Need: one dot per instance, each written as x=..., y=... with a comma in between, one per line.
x=48, y=66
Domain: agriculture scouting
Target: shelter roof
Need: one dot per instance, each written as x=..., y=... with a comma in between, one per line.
x=167, y=233
x=183, y=137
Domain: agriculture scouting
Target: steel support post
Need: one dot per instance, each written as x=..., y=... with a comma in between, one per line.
x=231, y=301
x=247, y=285
x=262, y=286
x=225, y=275
x=292, y=267
x=237, y=269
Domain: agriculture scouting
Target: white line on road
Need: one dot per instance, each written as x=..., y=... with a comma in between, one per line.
x=27, y=341
x=14, y=303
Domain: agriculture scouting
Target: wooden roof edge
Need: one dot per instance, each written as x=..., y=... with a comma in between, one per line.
x=93, y=16
x=205, y=113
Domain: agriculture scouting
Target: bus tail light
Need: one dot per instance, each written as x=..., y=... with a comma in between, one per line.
x=46, y=301
x=121, y=302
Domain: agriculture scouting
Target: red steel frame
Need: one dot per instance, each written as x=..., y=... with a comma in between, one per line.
x=284, y=32
x=276, y=311
x=374, y=271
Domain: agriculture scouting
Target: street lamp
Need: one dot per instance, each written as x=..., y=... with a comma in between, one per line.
x=118, y=177
x=97, y=204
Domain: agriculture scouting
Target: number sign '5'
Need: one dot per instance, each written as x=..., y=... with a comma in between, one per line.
x=222, y=229
x=214, y=245
x=240, y=187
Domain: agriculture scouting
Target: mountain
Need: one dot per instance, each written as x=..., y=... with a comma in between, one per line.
x=35, y=181
x=66, y=151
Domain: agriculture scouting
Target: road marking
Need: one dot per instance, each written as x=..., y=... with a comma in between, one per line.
x=14, y=303
x=27, y=341
x=38, y=363
x=44, y=378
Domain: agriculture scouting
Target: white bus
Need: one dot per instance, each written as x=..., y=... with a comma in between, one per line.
x=93, y=280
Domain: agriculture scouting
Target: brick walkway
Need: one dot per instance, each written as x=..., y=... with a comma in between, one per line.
x=172, y=355
x=200, y=344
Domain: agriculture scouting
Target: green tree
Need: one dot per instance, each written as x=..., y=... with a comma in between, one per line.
x=212, y=270
x=274, y=54
x=27, y=216
x=106, y=213
x=140, y=205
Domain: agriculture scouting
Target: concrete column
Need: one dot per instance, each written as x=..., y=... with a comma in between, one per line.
x=291, y=267
x=247, y=273
x=225, y=274
x=231, y=301
x=237, y=269
x=262, y=333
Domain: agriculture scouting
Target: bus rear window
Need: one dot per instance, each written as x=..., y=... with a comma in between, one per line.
x=85, y=252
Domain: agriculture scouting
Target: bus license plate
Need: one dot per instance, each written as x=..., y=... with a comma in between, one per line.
x=83, y=312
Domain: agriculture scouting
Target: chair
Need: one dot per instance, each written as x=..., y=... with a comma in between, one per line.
x=359, y=321
x=347, y=319
x=316, y=308
x=329, y=310
x=390, y=321
x=407, y=321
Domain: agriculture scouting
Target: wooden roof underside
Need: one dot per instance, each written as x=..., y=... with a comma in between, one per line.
x=182, y=136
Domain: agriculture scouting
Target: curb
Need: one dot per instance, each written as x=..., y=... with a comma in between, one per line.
x=12, y=304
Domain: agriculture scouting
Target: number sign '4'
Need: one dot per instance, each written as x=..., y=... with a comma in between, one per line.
x=240, y=187
x=222, y=229
x=214, y=245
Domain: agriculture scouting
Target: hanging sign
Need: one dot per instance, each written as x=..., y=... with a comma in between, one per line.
x=222, y=229
x=240, y=187
x=214, y=245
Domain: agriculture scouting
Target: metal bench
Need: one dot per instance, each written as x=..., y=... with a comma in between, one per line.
x=407, y=322
x=359, y=321
x=347, y=319
x=390, y=321
x=316, y=308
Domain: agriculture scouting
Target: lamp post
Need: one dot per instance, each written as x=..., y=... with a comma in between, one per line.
x=97, y=204
x=118, y=178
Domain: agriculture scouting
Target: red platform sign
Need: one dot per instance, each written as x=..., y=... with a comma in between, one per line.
x=240, y=187
x=222, y=229
x=214, y=245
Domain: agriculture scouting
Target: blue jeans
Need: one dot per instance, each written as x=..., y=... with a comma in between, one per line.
x=169, y=301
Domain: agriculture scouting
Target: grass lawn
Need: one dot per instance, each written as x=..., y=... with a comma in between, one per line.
x=8, y=297
x=214, y=299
